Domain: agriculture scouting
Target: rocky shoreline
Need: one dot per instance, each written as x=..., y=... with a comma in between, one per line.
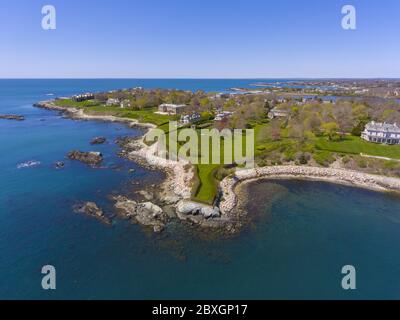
x=338, y=176
x=78, y=114
x=176, y=191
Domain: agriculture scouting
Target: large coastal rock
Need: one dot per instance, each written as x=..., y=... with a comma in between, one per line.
x=146, y=214
x=204, y=216
x=12, y=117
x=91, y=209
x=91, y=158
x=146, y=194
x=193, y=208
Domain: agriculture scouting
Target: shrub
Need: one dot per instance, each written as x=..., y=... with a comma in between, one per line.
x=289, y=155
x=303, y=158
x=362, y=163
x=346, y=159
x=222, y=173
x=324, y=158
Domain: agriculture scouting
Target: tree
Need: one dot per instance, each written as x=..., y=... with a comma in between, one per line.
x=101, y=97
x=276, y=131
x=343, y=114
x=312, y=123
x=204, y=102
x=330, y=129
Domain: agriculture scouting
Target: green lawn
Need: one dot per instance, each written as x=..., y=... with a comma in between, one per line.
x=355, y=145
x=147, y=115
x=208, y=185
x=72, y=103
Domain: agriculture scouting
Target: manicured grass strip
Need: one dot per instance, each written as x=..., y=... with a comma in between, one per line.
x=72, y=103
x=209, y=186
x=355, y=145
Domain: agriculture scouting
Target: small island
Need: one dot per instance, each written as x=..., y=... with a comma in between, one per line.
x=350, y=138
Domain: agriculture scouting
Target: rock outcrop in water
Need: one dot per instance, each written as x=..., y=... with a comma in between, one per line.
x=91, y=209
x=12, y=117
x=59, y=165
x=146, y=214
x=91, y=158
x=98, y=140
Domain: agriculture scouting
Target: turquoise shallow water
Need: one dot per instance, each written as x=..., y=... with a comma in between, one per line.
x=301, y=236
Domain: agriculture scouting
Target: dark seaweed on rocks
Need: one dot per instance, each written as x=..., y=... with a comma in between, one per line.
x=12, y=117
x=91, y=158
x=93, y=210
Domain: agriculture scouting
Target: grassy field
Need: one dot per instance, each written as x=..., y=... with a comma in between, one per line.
x=355, y=145
x=147, y=115
x=72, y=103
x=208, y=187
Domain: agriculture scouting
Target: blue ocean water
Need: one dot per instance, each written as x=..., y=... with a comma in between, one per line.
x=302, y=232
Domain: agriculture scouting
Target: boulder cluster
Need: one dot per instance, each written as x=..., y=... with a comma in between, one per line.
x=146, y=213
x=91, y=158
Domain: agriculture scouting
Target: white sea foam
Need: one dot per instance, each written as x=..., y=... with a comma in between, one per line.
x=28, y=164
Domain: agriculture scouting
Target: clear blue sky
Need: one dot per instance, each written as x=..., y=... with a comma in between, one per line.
x=199, y=39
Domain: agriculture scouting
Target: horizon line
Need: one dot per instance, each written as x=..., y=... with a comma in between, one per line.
x=200, y=78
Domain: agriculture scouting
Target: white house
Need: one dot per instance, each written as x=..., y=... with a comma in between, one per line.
x=278, y=113
x=382, y=133
x=83, y=97
x=112, y=102
x=223, y=115
x=190, y=118
x=125, y=103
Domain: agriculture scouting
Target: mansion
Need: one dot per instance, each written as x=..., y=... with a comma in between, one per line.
x=382, y=133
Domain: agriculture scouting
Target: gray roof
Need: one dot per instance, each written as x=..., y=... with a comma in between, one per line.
x=382, y=127
x=173, y=106
x=277, y=110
